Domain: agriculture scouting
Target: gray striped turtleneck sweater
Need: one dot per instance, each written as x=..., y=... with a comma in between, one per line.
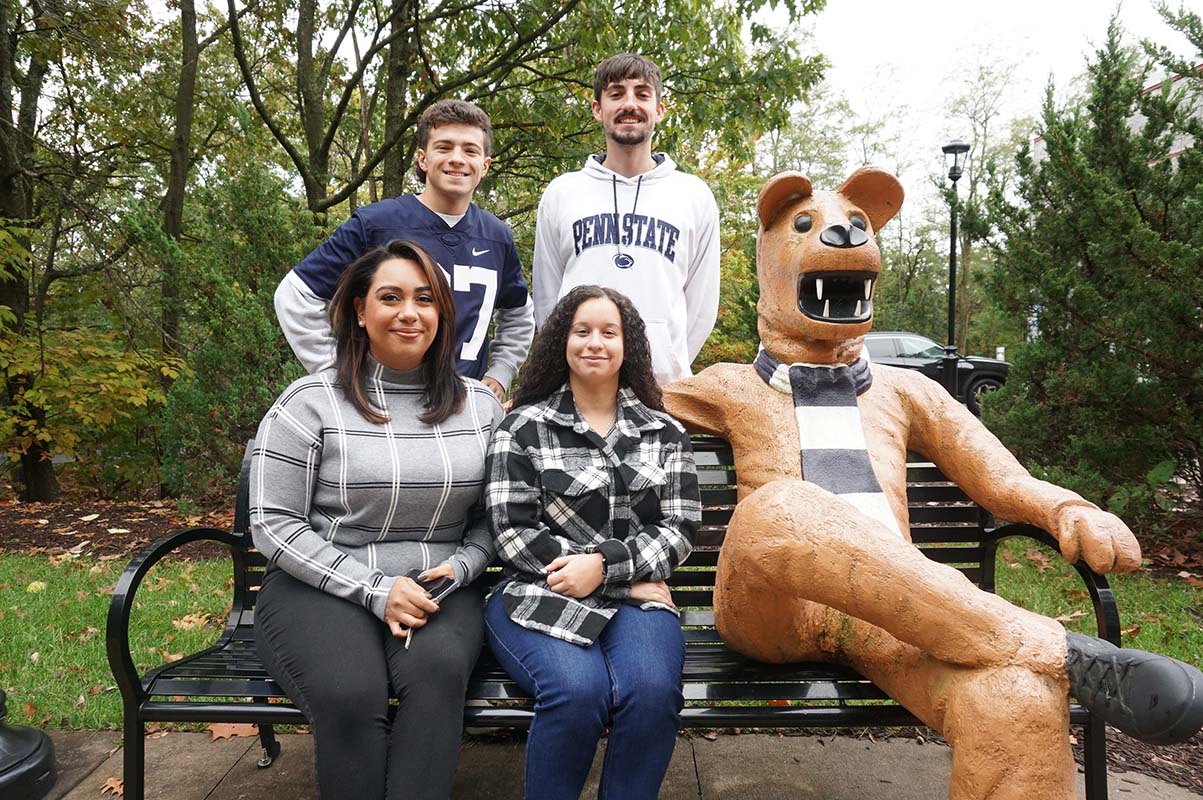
x=346, y=505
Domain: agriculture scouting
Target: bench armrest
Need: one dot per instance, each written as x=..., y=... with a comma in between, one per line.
x=1106, y=613
x=117, y=643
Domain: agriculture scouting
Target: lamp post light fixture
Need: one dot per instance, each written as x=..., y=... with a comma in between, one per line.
x=954, y=156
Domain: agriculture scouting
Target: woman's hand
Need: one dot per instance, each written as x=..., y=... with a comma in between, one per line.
x=654, y=591
x=577, y=575
x=407, y=606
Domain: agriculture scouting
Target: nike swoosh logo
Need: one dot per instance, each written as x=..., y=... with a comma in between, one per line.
x=476, y=252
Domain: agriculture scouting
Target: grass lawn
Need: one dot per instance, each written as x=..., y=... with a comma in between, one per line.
x=52, y=626
x=53, y=610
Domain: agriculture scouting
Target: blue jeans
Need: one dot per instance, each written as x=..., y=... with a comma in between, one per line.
x=630, y=677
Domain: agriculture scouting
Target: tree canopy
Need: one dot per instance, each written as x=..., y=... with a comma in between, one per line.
x=160, y=172
x=1100, y=251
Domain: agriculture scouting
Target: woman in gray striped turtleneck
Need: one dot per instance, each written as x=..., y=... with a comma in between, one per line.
x=361, y=474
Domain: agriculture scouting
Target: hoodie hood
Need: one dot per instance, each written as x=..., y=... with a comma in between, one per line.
x=595, y=167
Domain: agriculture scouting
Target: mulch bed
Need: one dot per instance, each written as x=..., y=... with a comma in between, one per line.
x=97, y=527
x=1179, y=764
x=107, y=529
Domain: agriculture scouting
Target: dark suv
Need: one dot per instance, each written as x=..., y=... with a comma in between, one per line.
x=976, y=375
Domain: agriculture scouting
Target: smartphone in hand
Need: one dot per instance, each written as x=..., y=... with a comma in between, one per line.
x=438, y=588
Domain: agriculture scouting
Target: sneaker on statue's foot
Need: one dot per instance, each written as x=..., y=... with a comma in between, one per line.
x=1151, y=697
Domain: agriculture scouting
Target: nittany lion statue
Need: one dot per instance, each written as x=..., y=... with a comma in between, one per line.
x=817, y=563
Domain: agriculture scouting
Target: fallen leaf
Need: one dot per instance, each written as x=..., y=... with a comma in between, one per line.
x=171, y=657
x=1131, y=632
x=83, y=634
x=34, y=657
x=228, y=730
x=190, y=622
x=710, y=736
x=81, y=596
x=1038, y=559
x=118, y=530
x=96, y=689
x=80, y=702
x=1193, y=581
x=36, y=586
x=779, y=702
x=43, y=522
x=89, y=517
x=1073, y=739
x=1071, y=616
x=113, y=786
x=30, y=710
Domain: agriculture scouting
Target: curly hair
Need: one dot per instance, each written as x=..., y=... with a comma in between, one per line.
x=444, y=391
x=547, y=368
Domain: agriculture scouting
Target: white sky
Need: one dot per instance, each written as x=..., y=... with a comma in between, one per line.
x=905, y=53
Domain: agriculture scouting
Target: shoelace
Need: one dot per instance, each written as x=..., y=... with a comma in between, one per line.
x=1103, y=677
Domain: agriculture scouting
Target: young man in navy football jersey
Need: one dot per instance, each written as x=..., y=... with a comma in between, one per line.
x=475, y=250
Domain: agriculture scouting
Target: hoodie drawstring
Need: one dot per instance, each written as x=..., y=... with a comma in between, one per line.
x=621, y=259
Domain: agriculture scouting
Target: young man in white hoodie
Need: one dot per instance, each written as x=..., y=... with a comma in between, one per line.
x=629, y=220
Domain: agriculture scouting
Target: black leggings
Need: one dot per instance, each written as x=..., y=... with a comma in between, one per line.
x=338, y=663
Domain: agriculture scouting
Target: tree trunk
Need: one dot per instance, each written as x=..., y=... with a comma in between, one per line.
x=173, y=199
x=400, y=68
x=16, y=204
x=313, y=103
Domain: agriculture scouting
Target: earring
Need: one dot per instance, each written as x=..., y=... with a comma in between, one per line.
x=361, y=322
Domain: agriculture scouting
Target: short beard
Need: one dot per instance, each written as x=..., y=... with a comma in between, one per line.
x=629, y=140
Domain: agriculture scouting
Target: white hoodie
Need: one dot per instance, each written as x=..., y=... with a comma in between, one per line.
x=653, y=237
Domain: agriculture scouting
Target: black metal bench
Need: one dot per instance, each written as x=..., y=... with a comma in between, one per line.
x=227, y=682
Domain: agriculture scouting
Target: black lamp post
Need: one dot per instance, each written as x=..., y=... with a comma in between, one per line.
x=954, y=157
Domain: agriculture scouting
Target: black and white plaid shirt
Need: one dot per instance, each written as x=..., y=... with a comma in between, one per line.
x=556, y=488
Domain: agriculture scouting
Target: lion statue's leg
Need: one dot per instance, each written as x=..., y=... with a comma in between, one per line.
x=804, y=575
x=1008, y=726
x=801, y=543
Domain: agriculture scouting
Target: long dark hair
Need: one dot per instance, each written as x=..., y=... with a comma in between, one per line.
x=547, y=368
x=444, y=390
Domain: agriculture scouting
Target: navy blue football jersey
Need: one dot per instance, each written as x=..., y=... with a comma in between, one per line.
x=477, y=255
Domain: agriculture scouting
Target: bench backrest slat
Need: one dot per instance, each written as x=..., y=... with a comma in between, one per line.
x=945, y=524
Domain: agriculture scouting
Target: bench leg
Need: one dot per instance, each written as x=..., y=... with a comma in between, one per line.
x=134, y=756
x=1094, y=749
x=270, y=747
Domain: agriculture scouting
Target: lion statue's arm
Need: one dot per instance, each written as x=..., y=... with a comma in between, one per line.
x=699, y=402
x=969, y=454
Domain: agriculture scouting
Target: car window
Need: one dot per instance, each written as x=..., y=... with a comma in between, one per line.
x=917, y=347
x=880, y=347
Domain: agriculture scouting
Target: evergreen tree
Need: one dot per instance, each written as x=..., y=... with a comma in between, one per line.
x=1102, y=252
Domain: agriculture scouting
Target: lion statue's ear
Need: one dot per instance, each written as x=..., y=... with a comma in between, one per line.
x=874, y=191
x=780, y=190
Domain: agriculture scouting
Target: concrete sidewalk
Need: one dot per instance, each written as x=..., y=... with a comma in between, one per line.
x=187, y=766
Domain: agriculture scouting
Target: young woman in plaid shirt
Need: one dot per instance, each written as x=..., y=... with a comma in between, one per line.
x=593, y=502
